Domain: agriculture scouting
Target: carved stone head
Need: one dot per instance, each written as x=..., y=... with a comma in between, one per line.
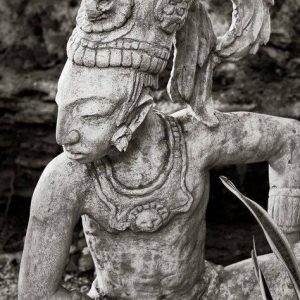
x=115, y=54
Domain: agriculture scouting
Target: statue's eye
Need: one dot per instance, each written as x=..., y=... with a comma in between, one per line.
x=92, y=118
x=94, y=110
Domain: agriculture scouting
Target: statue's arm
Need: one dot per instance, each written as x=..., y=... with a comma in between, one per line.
x=249, y=137
x=55, y=210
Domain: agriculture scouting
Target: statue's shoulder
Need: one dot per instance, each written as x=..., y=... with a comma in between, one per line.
x=192, y=127
x=62, y=186
x=199, y=138
x=66, y=169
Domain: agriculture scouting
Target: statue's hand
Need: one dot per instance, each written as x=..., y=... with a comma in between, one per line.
x=250, y=28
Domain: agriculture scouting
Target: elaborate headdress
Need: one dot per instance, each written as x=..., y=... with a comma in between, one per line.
x=139, y=34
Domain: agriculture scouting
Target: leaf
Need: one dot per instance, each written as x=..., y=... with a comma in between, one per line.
x=265, y=291
x=275, y=237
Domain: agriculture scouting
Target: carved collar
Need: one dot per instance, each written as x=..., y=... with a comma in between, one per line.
x=147, y=208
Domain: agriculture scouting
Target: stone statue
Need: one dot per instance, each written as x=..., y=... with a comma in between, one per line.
x=139, y=179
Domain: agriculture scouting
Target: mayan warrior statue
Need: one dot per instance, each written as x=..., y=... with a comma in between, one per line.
x=139, y=179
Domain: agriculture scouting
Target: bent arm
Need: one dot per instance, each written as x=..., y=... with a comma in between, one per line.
x=55, y=211
x=248, y=137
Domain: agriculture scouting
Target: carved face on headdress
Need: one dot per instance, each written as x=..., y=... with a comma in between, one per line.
x=103, y=15
x=171, y=14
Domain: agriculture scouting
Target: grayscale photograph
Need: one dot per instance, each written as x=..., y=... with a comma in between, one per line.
x=150, y=150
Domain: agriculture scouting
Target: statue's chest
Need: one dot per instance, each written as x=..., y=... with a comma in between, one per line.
x=150, y=207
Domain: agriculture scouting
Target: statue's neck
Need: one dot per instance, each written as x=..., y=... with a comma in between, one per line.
x=145, y=156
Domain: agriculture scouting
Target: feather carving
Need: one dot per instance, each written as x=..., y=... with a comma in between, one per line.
x=191, y=76
x=197, y=51
x=250, y=28
x=182, y=80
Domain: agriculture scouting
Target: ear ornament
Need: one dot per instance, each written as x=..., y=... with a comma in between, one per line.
x=121, y=138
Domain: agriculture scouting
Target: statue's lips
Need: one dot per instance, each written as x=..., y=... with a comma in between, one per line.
x=74, y=155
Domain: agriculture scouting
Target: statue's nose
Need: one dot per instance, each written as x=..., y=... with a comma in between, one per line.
x=69, y=138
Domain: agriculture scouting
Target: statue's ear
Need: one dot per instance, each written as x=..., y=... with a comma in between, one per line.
x=135, y=118
x=191, y=76
x=138, y=115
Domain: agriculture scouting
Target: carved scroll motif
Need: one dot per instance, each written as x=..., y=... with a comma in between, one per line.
x=250, y=28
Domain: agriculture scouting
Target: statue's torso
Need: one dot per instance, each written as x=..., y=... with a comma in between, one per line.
x=148, y=243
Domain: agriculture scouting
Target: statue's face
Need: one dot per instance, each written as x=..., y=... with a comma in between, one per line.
x=89, y=102
x=104, y=15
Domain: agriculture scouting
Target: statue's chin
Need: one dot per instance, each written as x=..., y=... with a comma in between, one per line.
x=79, y=157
